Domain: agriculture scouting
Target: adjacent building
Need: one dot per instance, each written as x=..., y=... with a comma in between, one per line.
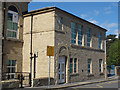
x=78, y=46
x=12, y=37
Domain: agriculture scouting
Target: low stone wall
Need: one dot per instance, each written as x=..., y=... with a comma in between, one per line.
x=10, y=84
x=42, y=82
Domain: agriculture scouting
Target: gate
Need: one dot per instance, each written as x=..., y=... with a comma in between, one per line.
x=23, y=77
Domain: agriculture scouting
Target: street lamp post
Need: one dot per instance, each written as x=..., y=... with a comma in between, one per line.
x=31, y=52
x=105, y=61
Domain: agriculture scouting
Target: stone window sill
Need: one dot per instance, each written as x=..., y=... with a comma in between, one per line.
x=85, y=47
x=74, y=74
x=90, y=75
x=101, y=73
x=60, y=31
x=15, y=40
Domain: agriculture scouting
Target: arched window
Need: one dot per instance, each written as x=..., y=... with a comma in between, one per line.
x=12, y=22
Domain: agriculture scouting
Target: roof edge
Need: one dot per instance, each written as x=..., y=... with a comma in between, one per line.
x=53, y=8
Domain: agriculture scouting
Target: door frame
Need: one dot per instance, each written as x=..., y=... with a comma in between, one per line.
x=60, y=62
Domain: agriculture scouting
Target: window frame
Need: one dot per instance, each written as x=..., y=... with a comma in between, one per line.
x=90, y=66
x=74, y=65
x=60, y=21
x=89, y=37
x=10, y=67
x=12, y=31
x=80, y=34
x=101, y=66
x=71, y=65
x=99, y=41
x=73, y=33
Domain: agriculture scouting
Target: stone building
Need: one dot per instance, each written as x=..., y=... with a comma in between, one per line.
x=78, y=46
x=12, y=37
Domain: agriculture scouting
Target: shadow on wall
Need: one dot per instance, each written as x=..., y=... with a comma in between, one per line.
x=43, y=82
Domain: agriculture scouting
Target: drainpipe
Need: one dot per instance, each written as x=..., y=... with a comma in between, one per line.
x=31, y=52
x=0, y=44
x=4, y=9
x=4, y=18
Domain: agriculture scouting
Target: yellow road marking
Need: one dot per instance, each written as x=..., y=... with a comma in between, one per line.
x=99, y=86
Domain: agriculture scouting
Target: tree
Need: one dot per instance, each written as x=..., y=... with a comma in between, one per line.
x=113, y=53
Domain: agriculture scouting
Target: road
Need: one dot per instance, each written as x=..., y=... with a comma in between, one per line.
x=110, y=85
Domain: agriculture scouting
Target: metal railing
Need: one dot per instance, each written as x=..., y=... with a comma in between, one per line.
x=23, y=77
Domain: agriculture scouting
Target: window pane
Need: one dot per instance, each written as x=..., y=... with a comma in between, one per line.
x=75, y=36
x=8, y=33
x=89, y=65
x=12, y=76
x=14, y=34
x=99, y=37
x=71, y=65
x=9, y=63
x=74, y=41
x=75, y=63
x=60, y=23
x=88, y=37
x=15, y=26
x=88, y=44
x=100, y=65
x=10, y=16
x=8, y=76
x=80, y=34
x=13, y=63
x=9, y=25
x=79, y=42
x=62, y=76
x=8, y=70
x=73, y=25
x=73, y=33
x=13, y=70
x=62, y=67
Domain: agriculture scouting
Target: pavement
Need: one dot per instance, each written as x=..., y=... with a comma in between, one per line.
x=110, y=84
x=61, y=86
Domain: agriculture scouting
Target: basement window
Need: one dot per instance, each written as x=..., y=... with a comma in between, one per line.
x=11, y=69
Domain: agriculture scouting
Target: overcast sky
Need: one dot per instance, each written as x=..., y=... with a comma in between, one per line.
x=104, y=14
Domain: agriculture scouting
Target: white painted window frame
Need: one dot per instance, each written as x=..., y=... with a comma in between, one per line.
x=11, y=70
x=12, y=12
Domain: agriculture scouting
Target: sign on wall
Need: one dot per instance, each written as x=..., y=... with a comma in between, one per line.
x=50, y=50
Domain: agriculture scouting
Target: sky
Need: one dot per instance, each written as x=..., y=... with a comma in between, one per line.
x=104, y=14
